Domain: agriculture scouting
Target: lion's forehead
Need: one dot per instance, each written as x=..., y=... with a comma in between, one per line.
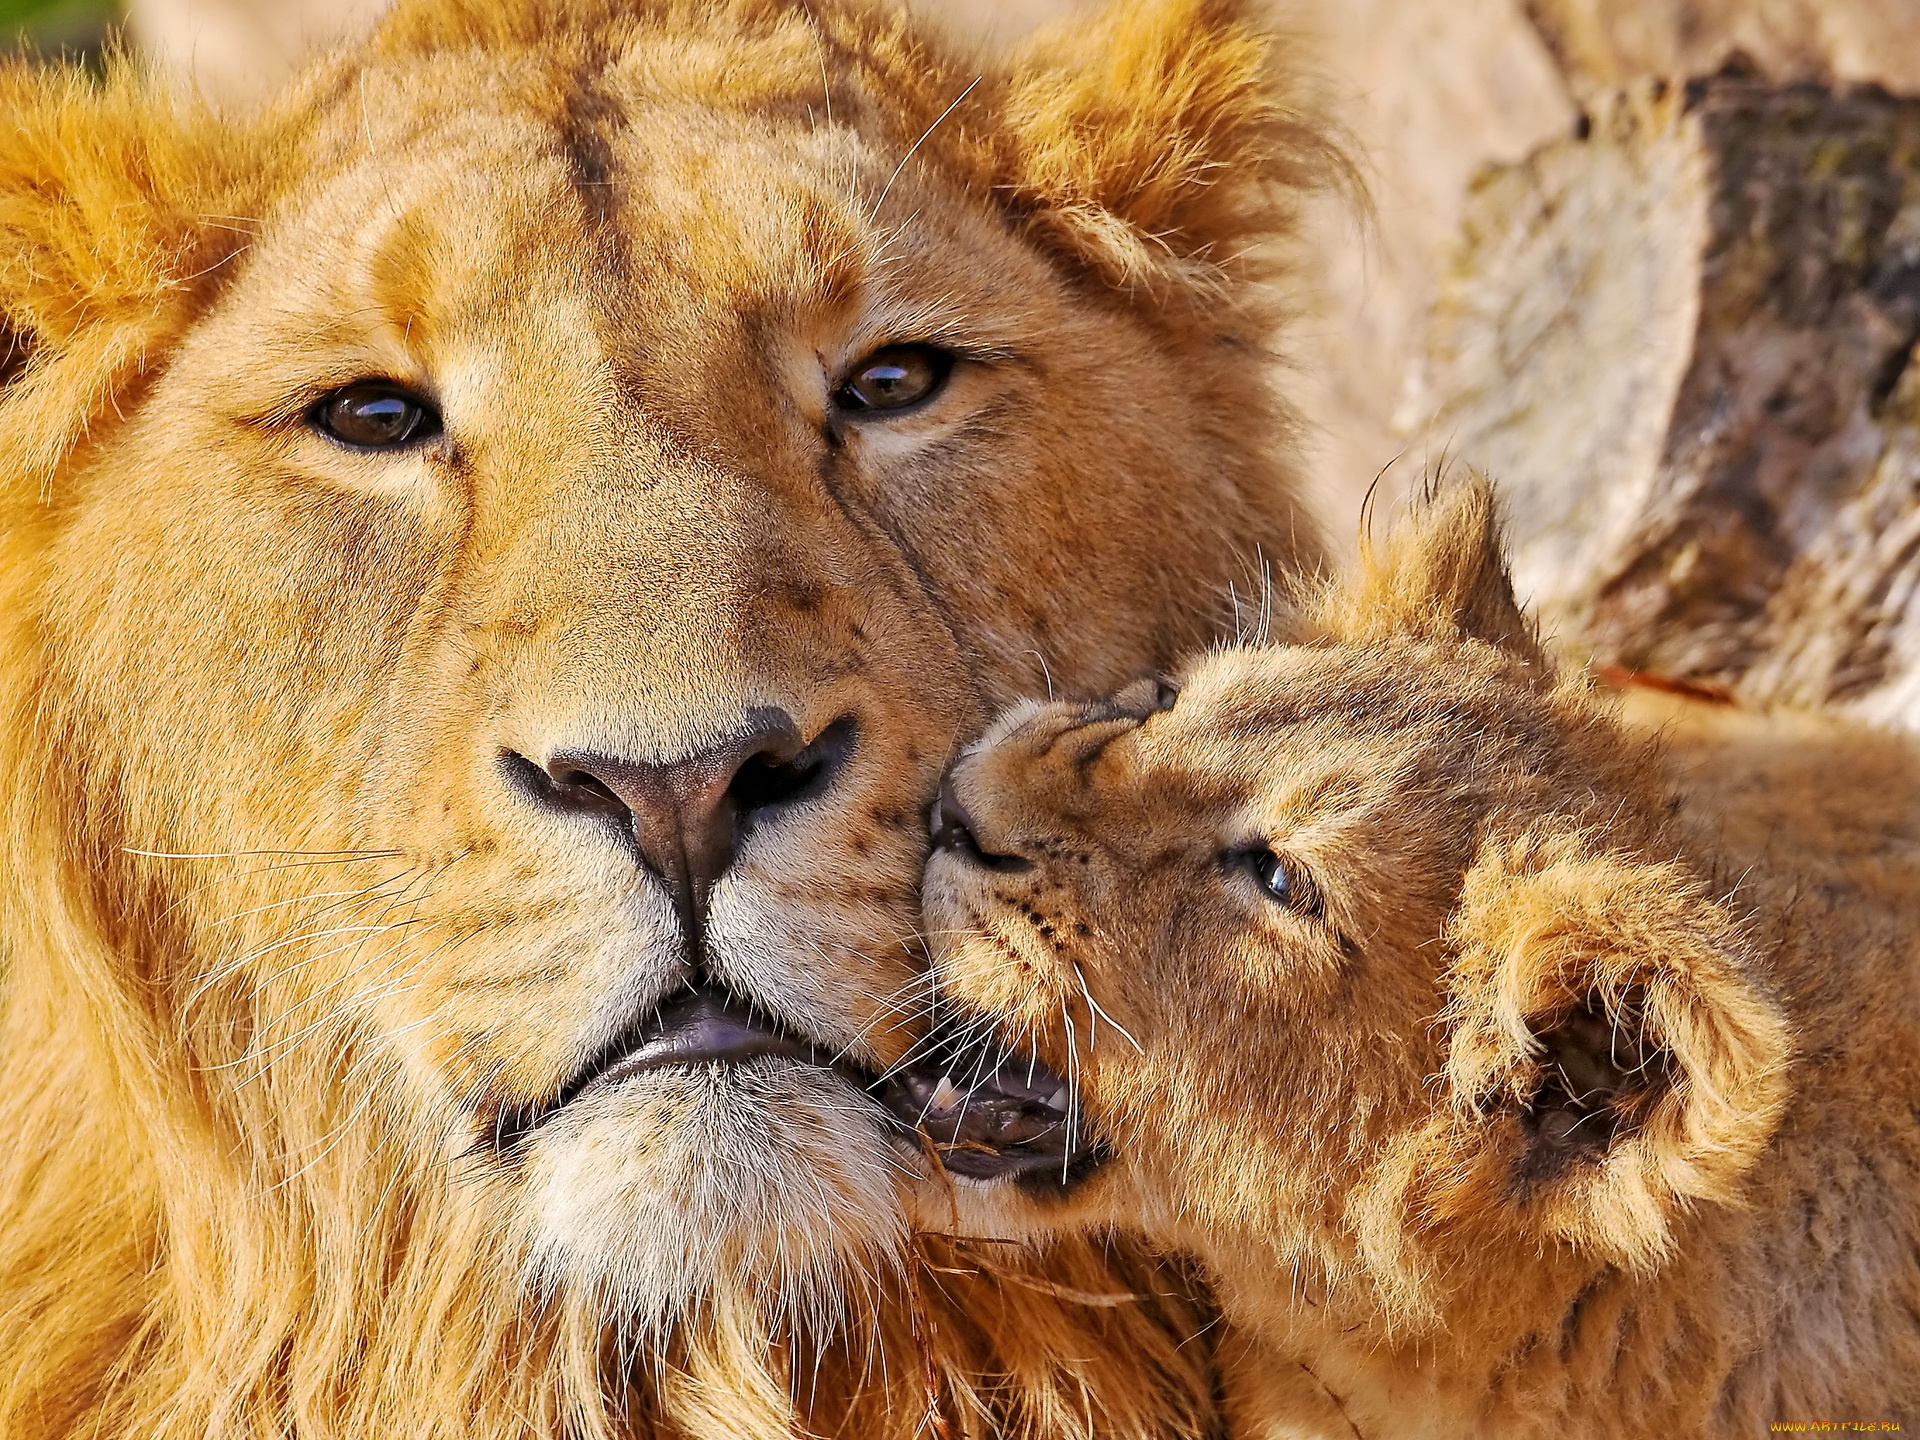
x=493, y=211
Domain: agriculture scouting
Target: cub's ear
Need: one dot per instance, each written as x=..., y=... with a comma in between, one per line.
x=114, y=202
x=1442, y=576
x=1611, y=1058
x=1156, y=140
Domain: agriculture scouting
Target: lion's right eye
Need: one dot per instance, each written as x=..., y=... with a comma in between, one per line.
x=374, y=416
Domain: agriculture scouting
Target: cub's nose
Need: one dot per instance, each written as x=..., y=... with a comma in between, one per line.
x=689, y=813
x=955, y=830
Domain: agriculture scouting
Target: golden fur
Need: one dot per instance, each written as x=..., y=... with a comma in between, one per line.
x=1574, y=1088
x=283, y=950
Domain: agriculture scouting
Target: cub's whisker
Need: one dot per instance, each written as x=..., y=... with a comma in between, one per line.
x=1094, y=1007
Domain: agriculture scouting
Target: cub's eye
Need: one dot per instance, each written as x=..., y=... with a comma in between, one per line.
x=374, y=416
x=895, y=378
x=1284, y=882
x=1166, y=694
x=1271, y=871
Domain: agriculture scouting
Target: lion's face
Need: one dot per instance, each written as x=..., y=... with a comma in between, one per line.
x=533, y=607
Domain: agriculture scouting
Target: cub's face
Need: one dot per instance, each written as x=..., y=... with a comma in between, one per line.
x=1217, y=908
x=1344, y=952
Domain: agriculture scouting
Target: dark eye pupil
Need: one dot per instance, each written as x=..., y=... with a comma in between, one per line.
x=894, y=378
x=375, y=417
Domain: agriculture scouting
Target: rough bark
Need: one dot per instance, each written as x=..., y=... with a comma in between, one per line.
x=1603, y=44
x=1683, y=340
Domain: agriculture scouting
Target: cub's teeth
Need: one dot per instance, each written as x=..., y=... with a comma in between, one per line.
x=1059, y=1100
x=946, y=1094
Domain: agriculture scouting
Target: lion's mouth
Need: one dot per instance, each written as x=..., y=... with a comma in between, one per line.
x=702, y=1026
x=699, y=1027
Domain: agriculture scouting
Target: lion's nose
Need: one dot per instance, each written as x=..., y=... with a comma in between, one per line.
x=689, y=813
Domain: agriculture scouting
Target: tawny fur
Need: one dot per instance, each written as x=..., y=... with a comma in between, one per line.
x=1573, y=1088
x=282, y=948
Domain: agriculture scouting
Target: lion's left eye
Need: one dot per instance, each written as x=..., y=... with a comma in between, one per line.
x=896, y=378
x=375, y=415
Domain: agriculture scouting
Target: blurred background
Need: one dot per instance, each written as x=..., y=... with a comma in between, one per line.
x=57, y=26
x=1655, y=264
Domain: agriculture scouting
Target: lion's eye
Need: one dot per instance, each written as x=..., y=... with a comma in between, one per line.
x=375, y=416
x=894, y=378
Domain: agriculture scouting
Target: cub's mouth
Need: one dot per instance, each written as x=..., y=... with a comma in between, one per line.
x=988, y=1113
x=992, y=1114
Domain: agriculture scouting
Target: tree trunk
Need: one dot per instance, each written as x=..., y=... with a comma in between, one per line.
x=1682, y=339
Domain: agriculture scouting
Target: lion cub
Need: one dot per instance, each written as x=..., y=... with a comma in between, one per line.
x=1516, y=1067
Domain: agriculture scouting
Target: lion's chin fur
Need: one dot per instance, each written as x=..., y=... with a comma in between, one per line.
x=328, y=1281
x=770, y=1181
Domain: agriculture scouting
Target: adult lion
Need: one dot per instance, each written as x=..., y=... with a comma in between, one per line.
x=497, y=550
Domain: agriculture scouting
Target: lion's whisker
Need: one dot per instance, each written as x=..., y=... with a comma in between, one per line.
x=229, y=968
x=338, y=857
x=914, y=148
x=290, y=900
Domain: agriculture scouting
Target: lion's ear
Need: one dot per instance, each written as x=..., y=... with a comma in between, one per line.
x=1442, y=575
x=114, y=201
x=1611, y=1057
x=1158, y=139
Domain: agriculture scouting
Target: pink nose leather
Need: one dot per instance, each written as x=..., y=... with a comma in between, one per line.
x=685, y=812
